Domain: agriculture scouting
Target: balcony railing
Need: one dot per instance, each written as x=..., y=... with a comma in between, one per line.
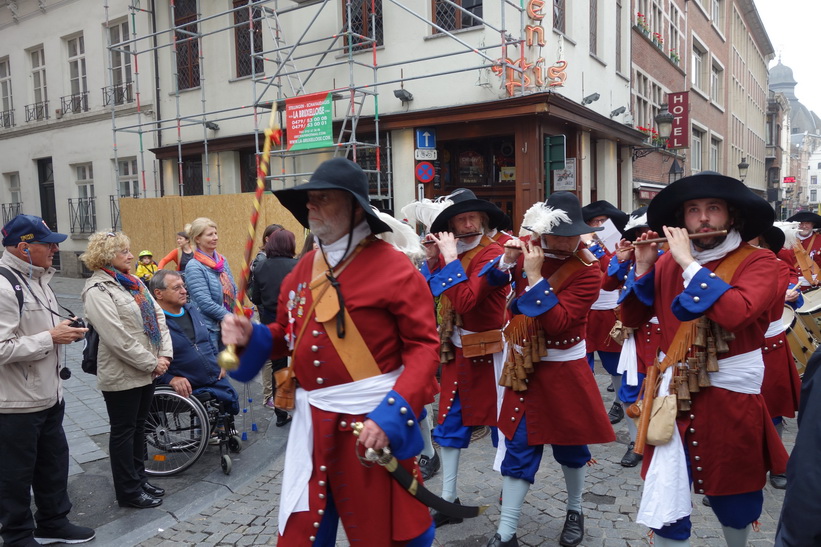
x=114, y=207
x=118, y=94
x=82, y=215
x=11, y=210
x=74, y=104
x=37, y=111
x=7, y=118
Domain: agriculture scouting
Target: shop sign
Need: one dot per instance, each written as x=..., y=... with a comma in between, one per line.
x=309, y=121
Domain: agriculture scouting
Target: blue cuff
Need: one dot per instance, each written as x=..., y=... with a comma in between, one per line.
x=395, y=416
x=495, y=276
x=425, y=270
x=618, y=269
x=536, y=301
x=702, y=292
x=642, y=287
x=449, y=276
x=798, y=303
x=597, y=250
x=255, y=354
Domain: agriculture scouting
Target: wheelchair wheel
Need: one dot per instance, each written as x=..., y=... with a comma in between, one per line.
x=234, y=443
x=226, y=463
x=174, y=437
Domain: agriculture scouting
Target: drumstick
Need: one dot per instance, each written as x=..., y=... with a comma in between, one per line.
x=664, y=239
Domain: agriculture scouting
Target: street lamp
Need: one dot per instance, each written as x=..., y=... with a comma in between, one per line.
x=742, y=168
x=664, y=121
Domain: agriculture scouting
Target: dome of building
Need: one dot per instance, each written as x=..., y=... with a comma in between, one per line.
x=781, y=74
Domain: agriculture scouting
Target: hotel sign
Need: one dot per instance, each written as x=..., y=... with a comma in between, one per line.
x=678, y=104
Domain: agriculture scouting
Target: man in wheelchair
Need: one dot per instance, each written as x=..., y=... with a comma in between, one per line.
x=194, y=368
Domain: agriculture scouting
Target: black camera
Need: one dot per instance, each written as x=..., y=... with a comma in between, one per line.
x=78, y=323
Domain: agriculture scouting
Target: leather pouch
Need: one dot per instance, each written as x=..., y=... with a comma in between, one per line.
x=482, y=343
x=284, y=397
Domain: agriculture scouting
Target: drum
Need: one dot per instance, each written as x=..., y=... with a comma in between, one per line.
x=801, y=342
x=810, y=313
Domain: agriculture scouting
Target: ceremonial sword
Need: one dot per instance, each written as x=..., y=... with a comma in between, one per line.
x=386, y=459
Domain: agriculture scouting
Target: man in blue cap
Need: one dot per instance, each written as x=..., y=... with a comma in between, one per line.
x=33, y=446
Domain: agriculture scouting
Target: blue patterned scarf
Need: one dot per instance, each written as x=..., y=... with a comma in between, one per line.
x=143, y=299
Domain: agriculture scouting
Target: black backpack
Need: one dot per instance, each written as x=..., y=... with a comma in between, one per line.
x=91, y=344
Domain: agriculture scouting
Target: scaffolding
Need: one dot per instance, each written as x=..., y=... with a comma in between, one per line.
x=289, y=69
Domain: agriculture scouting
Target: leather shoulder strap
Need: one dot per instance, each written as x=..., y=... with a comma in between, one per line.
x=580, y=259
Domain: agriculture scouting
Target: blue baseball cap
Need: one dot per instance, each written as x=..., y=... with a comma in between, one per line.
x=29, y=229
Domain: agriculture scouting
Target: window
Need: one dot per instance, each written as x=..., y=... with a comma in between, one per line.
x=559, y=15
x=819, y=165
x=247, y=41
x=120, y=91
x=618, y=36
x=85, y=180
x=13, y=181
x=78, y=100
x=39, y=110
x=450, y=18
x=128, y=182
x=84, y=214
x=814, y=179
x=187, y=44
x=718, y=13
x=696, y=162
x=717, y=83
x=698, y=66
x=361, y=23
x=191, y=183
x=648, y=96
x=6, y=103
x=813, y=195
x=594, y=13
x=715, y=154
x=14, y=206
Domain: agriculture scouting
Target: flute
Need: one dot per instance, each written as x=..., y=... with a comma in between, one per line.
x=460, y=236
x=698, y=235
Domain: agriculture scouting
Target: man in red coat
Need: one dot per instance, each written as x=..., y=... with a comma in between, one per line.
x=604, y=311
x=556, y=281
x=469, y=307
x=727, y=436
x=322, y=311
x=809, y=238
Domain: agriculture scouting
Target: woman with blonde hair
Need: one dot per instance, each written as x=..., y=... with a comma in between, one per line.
x=135, y=347
x=208, y=277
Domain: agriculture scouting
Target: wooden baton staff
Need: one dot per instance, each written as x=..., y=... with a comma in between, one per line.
x=227, y=358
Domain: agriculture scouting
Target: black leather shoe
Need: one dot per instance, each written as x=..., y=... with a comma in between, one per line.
x=283, y=418
x=705, y=501
x=573, y=531
x=152, y=490
x=630, y=458
x=616, y=413
x=496, y=541
x=429, y=466
x=143, y=501
x=611, y=389
x=778, y=481
x=440, y=519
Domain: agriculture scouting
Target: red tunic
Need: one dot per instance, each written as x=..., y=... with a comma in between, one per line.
x=398, y=327
x=562, y=401
x=482, y=308
x=782, y=386
x=813, y=247
x=730, y=438
x=601, y=322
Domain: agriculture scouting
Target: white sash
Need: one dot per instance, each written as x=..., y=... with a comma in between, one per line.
x=775, y=328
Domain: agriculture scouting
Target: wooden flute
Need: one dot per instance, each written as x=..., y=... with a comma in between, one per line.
x=699, y=235
x=460, y=236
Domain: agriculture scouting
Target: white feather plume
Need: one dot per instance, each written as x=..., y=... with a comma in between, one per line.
x=790, y=230
x=542, y=219
x=403, y=237
x=425, y=211
x=635, y=221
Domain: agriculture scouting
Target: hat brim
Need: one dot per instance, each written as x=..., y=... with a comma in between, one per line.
x=604, y=208
x=758, y=214
x=296, y=201
x=569, y=230
x=54, y=237
x=806, y=216
x=495, y=215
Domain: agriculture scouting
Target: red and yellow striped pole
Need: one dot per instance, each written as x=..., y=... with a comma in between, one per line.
x=227, y=358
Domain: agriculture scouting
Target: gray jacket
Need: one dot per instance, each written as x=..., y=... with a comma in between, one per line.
x=125, y=358
x=29, y=359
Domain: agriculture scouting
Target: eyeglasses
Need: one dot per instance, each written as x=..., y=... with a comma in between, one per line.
x=176, y=288
x=49, y=245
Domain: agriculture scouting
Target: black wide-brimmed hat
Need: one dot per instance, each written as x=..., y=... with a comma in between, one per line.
x=774, y=237
x=806, y=216
x=757, y=213
x=465, y=201
x=559, y=215
x=334, y=174
x=637, y=221
x=605, y=208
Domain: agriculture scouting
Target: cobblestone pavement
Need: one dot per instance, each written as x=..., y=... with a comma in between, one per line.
x=248, y=516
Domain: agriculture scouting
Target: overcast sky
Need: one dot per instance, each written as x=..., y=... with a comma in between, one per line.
x=792, y=26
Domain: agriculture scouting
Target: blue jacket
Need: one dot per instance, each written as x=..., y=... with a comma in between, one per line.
x=204, y=286
x=197, y=361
